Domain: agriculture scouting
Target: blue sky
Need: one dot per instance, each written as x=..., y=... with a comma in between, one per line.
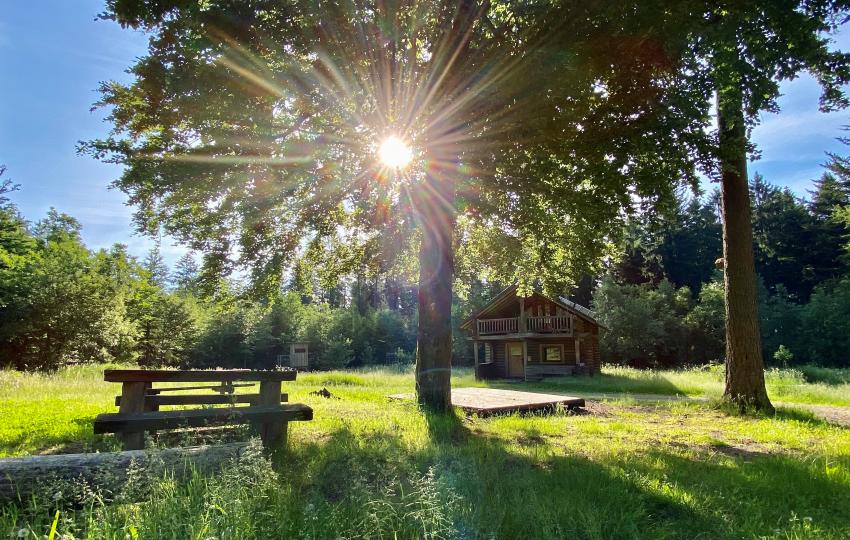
x=53, y=54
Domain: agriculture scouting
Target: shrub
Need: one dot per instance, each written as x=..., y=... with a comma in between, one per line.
x=783, y=356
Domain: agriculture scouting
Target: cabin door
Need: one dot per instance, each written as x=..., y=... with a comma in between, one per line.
x=516, y=366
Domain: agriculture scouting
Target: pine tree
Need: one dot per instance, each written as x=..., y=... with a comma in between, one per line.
x=186, y=274
x=154, y=264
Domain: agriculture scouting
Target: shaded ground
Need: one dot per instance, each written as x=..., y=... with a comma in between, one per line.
x=839, y=416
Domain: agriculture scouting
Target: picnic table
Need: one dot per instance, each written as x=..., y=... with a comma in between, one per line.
x=139, y=403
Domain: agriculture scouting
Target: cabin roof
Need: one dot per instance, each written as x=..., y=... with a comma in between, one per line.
x=509, y=294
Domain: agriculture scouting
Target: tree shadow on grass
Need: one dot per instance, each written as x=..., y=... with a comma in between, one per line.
x=760, y=494
x=522, y=487
x=601, y=383
x=807, y=416
x=499, y=491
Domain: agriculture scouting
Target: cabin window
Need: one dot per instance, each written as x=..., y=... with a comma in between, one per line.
x=488, y=352
x=552, y=353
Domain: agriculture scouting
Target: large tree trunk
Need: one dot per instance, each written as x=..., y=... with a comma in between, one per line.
x=744, y=368
x=436, y=212
x=435, y=207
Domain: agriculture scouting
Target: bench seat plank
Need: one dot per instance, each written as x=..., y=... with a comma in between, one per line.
x=226, y=388
x=211, y=375
x=154, y=420
x=202, y=399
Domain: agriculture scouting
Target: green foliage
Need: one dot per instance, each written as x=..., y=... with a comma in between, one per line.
x=168, y=329
x=826, y=322
x=797, y=257
x=58, y=303
x=345, y=337
x=186, y=275
x=257, y=138
x=656, y=326
x=783, y=356
x=661, y=326
x=61, y=303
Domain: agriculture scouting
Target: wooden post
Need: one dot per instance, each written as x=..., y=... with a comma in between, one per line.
x=149, y=405
x=522, y=326
x=273, y=434
x=525, y=359
x=475, y=356
x=133, y=401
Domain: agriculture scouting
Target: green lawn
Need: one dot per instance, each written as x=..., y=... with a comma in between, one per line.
x=370, y=467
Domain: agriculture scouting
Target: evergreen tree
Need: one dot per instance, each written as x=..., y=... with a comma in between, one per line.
x=155, y=265
x=691, y=242
x=783, y=236
x=186, y=274
x=829, y=234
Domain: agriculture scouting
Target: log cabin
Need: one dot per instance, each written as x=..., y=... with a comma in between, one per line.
x=516, y=337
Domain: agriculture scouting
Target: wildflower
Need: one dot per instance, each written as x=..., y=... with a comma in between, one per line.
x=57, y=495
x=23, y=533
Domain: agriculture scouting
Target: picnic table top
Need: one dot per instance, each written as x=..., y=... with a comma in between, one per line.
x=205, y=375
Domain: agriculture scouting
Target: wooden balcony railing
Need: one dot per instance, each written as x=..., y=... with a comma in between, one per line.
x=535, y=325
x=498, y=326
x=550, y=324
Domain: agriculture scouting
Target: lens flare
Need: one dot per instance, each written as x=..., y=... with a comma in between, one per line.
x=395, y=153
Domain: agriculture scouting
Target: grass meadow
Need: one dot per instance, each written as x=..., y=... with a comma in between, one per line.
x=368, y=467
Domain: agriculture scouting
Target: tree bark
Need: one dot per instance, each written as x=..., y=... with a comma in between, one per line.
x=744, y=367
x=23, y=476
x=436, y=213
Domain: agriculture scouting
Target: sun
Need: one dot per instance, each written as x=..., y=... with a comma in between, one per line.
x=395, y=153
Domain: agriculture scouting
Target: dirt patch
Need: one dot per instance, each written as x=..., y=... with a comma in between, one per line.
x=746, y=450
x=595, y=408
x=70, y=448
x=839, y=416
x=741, y=449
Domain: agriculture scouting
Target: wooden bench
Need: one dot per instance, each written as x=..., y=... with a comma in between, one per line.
x=139, y=403
x=153, y=400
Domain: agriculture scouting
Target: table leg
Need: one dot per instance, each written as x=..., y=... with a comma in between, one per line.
x=148, y=405
x=133, y=401
x=273, y=434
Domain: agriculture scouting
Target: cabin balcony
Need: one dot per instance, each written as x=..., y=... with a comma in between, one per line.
x=545, y=325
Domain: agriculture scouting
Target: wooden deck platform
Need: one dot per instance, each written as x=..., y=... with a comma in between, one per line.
x=486, y=401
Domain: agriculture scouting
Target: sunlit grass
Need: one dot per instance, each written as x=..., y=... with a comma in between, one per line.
x=371, y=467
x=816, y=386
x=53, y=412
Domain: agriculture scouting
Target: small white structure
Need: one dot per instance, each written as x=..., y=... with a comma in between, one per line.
x=298, y=355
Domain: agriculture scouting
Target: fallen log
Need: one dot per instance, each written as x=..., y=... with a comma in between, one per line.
x=108, y=471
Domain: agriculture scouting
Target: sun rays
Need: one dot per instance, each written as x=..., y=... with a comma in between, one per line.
x=376, y=117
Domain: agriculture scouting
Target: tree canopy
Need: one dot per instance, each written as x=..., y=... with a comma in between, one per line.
x=250, y=131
